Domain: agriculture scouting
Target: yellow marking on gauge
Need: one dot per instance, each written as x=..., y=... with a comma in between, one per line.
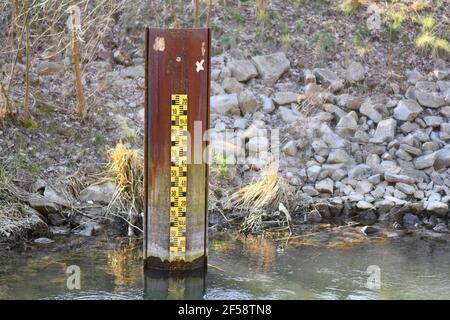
x=178, y=176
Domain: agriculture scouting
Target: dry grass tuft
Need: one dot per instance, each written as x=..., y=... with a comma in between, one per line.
x=126, y=166
x=265, y=192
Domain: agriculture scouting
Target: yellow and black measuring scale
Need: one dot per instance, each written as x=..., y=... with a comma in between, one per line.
x=178, y=175
x=177, y=82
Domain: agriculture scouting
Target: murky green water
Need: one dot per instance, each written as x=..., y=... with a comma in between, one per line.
x=239, y=269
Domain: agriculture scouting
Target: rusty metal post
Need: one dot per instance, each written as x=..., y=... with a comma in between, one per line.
x=177, y=77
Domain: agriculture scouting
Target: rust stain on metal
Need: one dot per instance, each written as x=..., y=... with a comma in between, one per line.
x=173, y=70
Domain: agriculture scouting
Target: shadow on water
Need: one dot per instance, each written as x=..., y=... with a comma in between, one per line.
x=251, y=268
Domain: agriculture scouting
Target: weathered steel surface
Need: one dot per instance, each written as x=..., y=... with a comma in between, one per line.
x=177, y=62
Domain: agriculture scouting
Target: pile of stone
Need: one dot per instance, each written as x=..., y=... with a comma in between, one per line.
x=362, y=155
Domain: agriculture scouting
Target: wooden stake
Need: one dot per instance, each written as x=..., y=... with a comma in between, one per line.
x=76, y=67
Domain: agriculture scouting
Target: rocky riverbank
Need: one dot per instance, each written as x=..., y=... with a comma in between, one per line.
x=363, y=134
x=368, y=157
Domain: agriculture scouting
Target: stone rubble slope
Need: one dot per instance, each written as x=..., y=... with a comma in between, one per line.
x=373, y=153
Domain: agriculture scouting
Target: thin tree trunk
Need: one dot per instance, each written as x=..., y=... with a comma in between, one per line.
x=197, y=14
x=76, y=68
x=208, y=19
x=26, y=103
x=174, y=13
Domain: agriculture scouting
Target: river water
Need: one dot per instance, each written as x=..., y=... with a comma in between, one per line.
x=252, y=268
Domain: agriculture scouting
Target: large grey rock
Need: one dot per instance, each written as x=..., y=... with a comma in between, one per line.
x=438, y=159
x=333, y=140
x=271, y=67
x=374, y=111
x=413, y=76
x=442, y=159
x=360, y=172
x=313, y=172
x=290, y=148
x=395, y=178
x=407, y=110
x=355, y=72
x=411, y=221
x=348, y=101
x=433, y=121
x=438, y=208
x=405, y=188
x=101, y=193
x=338, y=156
x=247, y=102
x=385, y=131
x=287, y=115
x=225, y=103
x=326, y=76
x=285, y=97
x=243, y=70
x=428, y=86
x=41, y=204
x=216, y=89
x=325, y=186
x=445, y=131
x=267, y=104
x=231, y=85
x=347, y=126
x=429, y=99
x=328, y=79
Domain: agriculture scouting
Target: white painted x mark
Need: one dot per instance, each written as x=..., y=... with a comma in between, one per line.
x=200, y=65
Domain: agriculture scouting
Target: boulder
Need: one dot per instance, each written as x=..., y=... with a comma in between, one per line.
x=325, y=186
x=247, y=102
x=355, y=72
x=347, y=126
x=231, y=85
x=41, y=204
x=290, y=148
x=374, y=111
x=287, y=115
x=396, y=178
x=429, y=99
x=101, y=193
x=243, y=70
x=285, y=97
x=411, y=221
x=271, y=67
x=338, y=156
x=438, y=208
x=267, y=104
x=433, y=121
x=385, y=131
x=407, y=110
x=445, y=131
x=225, y=103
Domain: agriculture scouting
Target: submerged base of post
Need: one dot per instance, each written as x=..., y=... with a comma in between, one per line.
x=174, y=285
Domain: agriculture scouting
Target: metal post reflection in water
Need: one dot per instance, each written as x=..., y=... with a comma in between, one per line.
x=173, y=285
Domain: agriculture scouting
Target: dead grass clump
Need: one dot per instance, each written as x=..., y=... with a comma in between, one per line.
x=264, y=194
x=126, y=166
